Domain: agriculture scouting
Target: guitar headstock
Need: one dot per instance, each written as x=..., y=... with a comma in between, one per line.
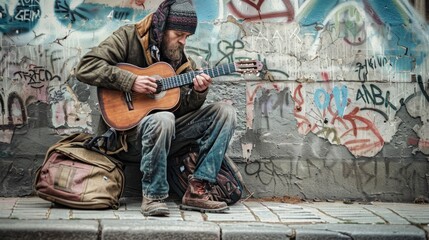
x=248, y=66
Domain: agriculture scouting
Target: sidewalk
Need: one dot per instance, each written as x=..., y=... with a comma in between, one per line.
x=34, y=218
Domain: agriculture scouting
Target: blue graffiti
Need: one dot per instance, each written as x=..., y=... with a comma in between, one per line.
x=23, y=18
x=395, y=16
x=321, y=94
x=322, y=99
x=91, y=16
x=84, y=17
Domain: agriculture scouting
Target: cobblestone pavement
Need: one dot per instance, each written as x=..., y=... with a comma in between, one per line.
x=34, y=218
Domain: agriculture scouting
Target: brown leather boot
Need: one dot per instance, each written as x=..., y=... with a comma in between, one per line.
x=197, y=198
x=154, y=207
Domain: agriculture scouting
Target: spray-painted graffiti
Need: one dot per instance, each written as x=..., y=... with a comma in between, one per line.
x=21, y=18
x=374, y=96
x=36, y=76
x=88, y=16
x=323, y=99
x=32, y=75
x=351, y=129
x=372, y=63
x=25, y=15
x=422, y=87
x=252, y=10
x=267, y=172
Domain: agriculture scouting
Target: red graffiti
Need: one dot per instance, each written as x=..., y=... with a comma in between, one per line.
x=420, y=142
x=289, y=12
x=361, y=124
x=303, y=123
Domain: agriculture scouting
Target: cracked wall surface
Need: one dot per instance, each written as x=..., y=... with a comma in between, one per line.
x=341, y=108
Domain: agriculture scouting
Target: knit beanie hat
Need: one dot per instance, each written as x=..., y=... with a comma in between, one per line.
x=182, y=17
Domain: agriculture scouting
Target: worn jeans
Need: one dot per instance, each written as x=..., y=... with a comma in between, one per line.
x=160, y=135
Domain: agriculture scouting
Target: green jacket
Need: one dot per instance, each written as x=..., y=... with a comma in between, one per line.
x=129, y=44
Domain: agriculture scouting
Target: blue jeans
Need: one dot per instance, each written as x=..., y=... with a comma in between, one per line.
x=160, y=135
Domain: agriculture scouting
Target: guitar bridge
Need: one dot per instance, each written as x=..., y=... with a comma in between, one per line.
x=129, y=101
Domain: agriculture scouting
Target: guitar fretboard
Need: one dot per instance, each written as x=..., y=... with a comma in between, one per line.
x=186, y=78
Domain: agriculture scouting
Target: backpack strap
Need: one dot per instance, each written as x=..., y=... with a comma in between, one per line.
x=105, y=142
x=234, y=168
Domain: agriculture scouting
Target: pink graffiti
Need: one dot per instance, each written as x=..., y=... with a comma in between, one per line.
x=289, y=13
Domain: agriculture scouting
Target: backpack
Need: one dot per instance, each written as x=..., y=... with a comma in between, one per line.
x=229, y=183
x=78, y=173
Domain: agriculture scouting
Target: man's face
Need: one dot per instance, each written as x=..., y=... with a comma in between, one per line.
x=173, y=43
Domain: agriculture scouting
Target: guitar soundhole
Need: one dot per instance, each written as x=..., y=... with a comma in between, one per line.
x=156, y=95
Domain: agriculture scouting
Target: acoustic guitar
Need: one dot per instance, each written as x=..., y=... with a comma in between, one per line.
x=124, y=110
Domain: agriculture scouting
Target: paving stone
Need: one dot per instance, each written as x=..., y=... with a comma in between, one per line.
x=255, y=231
x=7, y=203
x=352, y=214
x=261, y=212
x=358, y=231
x=237, y=212
x=32, y=203
x=255, y=205
x=131, y=214
x=264, y=216
x=175, y=215
x=387, y=215
x=29, y=213
x=156, y=229
x=192, y=216
x=92, y=214
x=48, y=229
x=55, y=213
x=5, y=213
x=324, y=218
x=414, y=213
x=288, y=213
x=228, y=217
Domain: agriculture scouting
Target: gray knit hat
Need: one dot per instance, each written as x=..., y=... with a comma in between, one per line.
x=182, y=17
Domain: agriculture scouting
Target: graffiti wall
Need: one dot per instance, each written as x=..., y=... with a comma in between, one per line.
x=340, y=109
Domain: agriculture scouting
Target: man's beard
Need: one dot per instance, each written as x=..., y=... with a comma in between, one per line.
x=173, y=53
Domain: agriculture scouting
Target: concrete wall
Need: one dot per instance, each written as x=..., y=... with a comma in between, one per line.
x=341, y=110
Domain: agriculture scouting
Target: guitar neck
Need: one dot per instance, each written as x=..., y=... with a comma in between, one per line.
x=186, y=78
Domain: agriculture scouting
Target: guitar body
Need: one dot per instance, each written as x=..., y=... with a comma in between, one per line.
x=116, y=111
x=123, y=111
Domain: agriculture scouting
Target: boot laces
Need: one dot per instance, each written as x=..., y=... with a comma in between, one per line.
x=200, y=188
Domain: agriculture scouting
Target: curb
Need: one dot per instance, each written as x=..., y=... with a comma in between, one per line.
x=172, y=229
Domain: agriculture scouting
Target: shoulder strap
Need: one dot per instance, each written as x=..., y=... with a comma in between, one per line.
x=183, y=67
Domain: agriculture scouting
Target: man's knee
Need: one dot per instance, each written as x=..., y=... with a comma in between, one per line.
x=163, y=120
x=225, y=110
